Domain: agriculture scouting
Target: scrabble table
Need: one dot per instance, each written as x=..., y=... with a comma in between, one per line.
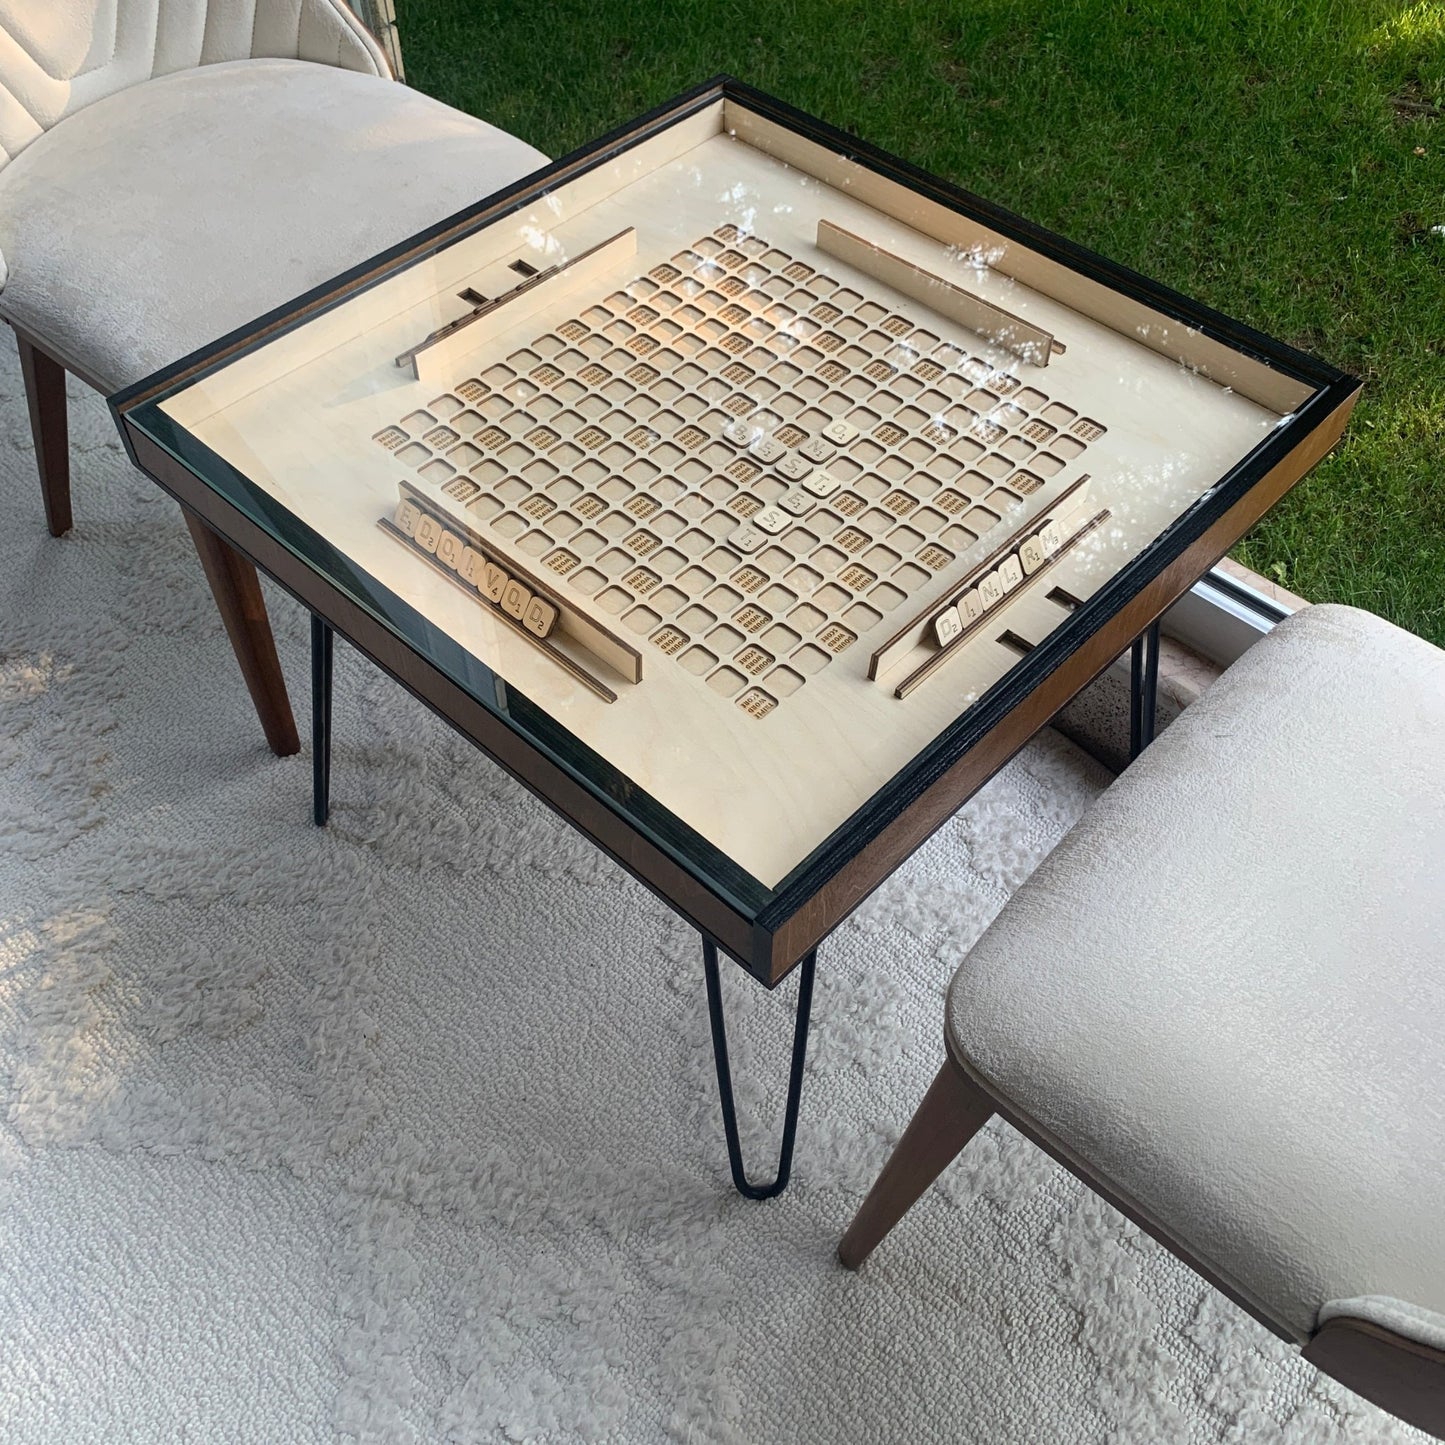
x=749, y=494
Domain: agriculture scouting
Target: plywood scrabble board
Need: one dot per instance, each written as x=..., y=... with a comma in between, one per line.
x=749, y=467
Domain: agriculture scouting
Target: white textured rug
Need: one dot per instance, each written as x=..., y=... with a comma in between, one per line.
x=408, y=1131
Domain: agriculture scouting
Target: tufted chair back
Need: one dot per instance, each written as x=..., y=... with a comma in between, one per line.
x=57, y=56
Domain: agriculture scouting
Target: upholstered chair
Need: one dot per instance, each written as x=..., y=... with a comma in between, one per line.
x=170, y=170
x=1221, y=1003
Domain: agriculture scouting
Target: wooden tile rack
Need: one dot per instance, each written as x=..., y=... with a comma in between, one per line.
x=516, y=594
x=435, y=357
x=1029, y=343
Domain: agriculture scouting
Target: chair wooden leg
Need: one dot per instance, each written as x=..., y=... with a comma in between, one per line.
x=237, y=591
x=952, y=1112
x=45, y=395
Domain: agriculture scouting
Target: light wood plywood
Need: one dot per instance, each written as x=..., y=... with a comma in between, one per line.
x=751, y=462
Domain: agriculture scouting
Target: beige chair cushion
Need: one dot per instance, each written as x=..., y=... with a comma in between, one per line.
x=168, y=214
x=58, y=56
x=1224, y=993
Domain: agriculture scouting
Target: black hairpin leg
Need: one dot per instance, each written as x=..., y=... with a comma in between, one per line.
x=1143, y=689
x=725, y=1078
x=321, y=650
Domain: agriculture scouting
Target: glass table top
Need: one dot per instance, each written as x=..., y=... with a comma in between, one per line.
x=724, y=470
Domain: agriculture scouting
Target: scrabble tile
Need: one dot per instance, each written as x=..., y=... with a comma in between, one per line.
x=970, y=606
x=817, y=449
x=1051, y=535
x=771, y=520
x=428, y=533
x=515, y=599
x=1010, y=573
x=821, y=483
x=449, y=550
x=407, y=515
x=747, y=538
x=794, y=467
x=797, y=501
x=1032, y=556
x=494, y=582
x=840, y=431
x=473, y=566
x=947, y=625
x=990, y=590
x=740, y=433
x=539, y=616
x=768, y=449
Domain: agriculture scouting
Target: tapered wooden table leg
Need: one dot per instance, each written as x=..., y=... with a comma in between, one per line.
x=45, y=393
x=237, y=591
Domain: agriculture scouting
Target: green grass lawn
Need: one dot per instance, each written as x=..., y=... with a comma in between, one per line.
x=1283, y=162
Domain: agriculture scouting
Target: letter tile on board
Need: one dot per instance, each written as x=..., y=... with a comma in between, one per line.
x=840, y=431
x=1031, y=555
x=990, y=590
x=821, y=483
x=1010, y=573
x=970, y=606
x=947, y=625
x=747, y=538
